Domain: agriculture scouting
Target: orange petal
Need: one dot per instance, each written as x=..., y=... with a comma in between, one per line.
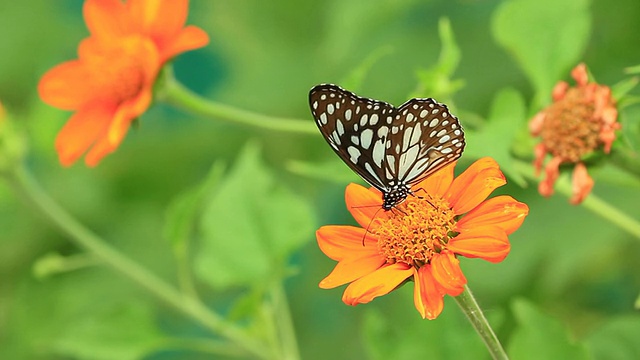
x=378, y=283
x=489, y=243
x=579, y=73
x=445, y=268
x=552, y=170
x=189, y=38
x=582, y=184
x=535, y=124
x=116, y=132
x=438, y=183
x=107, y=19
x=159, y=18
x=83, y=129
x=474, y=185
x=560, y=90
x=353, y=268
x=540, y=152
x=341, y=242
x=127, y=112
x=67, y=86
x=607, y=132
x=363, y=204
x=99, y=150
x=501, y=211
x=426, y=296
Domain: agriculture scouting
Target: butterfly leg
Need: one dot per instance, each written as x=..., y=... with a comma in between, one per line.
x=413, y=193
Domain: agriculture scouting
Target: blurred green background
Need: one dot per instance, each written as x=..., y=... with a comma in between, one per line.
x=566, y=290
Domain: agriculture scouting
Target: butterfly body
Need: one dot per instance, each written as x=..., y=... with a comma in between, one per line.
x=390, y=148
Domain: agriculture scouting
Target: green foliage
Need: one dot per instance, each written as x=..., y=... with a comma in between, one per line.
x=355, y=79
x=332, y=171
x=183, y=212
x=89, y=314
x=436, y=81
x=399, y=335
x=506, y=120
x=539, y=336
x=616, y=339
x=123, y=331
x=546, y=37
x=250, y=226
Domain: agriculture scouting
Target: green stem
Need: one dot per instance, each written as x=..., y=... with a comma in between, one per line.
x=602, y=209
x=29, y=188
x=185, y=280
x=472, y=310
x=285, y=323
x=174, y=93
x=592, y=203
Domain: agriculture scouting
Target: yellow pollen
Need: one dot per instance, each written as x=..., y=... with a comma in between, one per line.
x=570, y=129
x=415, y=230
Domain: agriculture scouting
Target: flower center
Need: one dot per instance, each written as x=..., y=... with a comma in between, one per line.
x=416, y=230
x=571, y=129
x=118, y=68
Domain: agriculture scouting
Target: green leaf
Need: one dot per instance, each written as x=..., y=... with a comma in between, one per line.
x=334, y=171
x=622, y=88
x=182, y=213
x=617, y=339
x=539, y=336
x=53, y=263
x=633, y=69
x=436, y=80
x=124, y=331
x=450, y=336
x=90, y=314
x=354, y=80
x=506, y=120
x=547, y=38
x=250, y=226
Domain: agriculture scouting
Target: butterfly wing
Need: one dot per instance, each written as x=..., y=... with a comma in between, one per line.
x=424, y=137
x=384, y=145
x=356, y=128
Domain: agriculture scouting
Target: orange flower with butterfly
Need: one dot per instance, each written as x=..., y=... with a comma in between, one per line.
x=404, y=152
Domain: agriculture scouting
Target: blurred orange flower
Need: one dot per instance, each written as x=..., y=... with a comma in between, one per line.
x=110, y=84
x=581, y=120
x=422, y=238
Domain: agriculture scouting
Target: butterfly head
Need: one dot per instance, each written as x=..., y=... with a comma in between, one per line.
x=395, y=195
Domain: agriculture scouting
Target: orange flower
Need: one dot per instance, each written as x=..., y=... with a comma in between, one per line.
x=110, y=84
x=581, y=120
x=422, y=238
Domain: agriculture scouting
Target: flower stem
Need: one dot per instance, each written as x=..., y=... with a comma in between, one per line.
x=285, y=323
x=602, y=209
x=472, y=310
x=24, y=184
x=174, y=93
x=592, y=203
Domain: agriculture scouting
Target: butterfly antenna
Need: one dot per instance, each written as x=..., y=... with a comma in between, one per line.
x=369, y=226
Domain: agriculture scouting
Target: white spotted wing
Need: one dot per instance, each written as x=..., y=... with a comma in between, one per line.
x=391, y=148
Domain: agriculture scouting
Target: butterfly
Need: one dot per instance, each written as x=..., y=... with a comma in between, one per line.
x=390, y=148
